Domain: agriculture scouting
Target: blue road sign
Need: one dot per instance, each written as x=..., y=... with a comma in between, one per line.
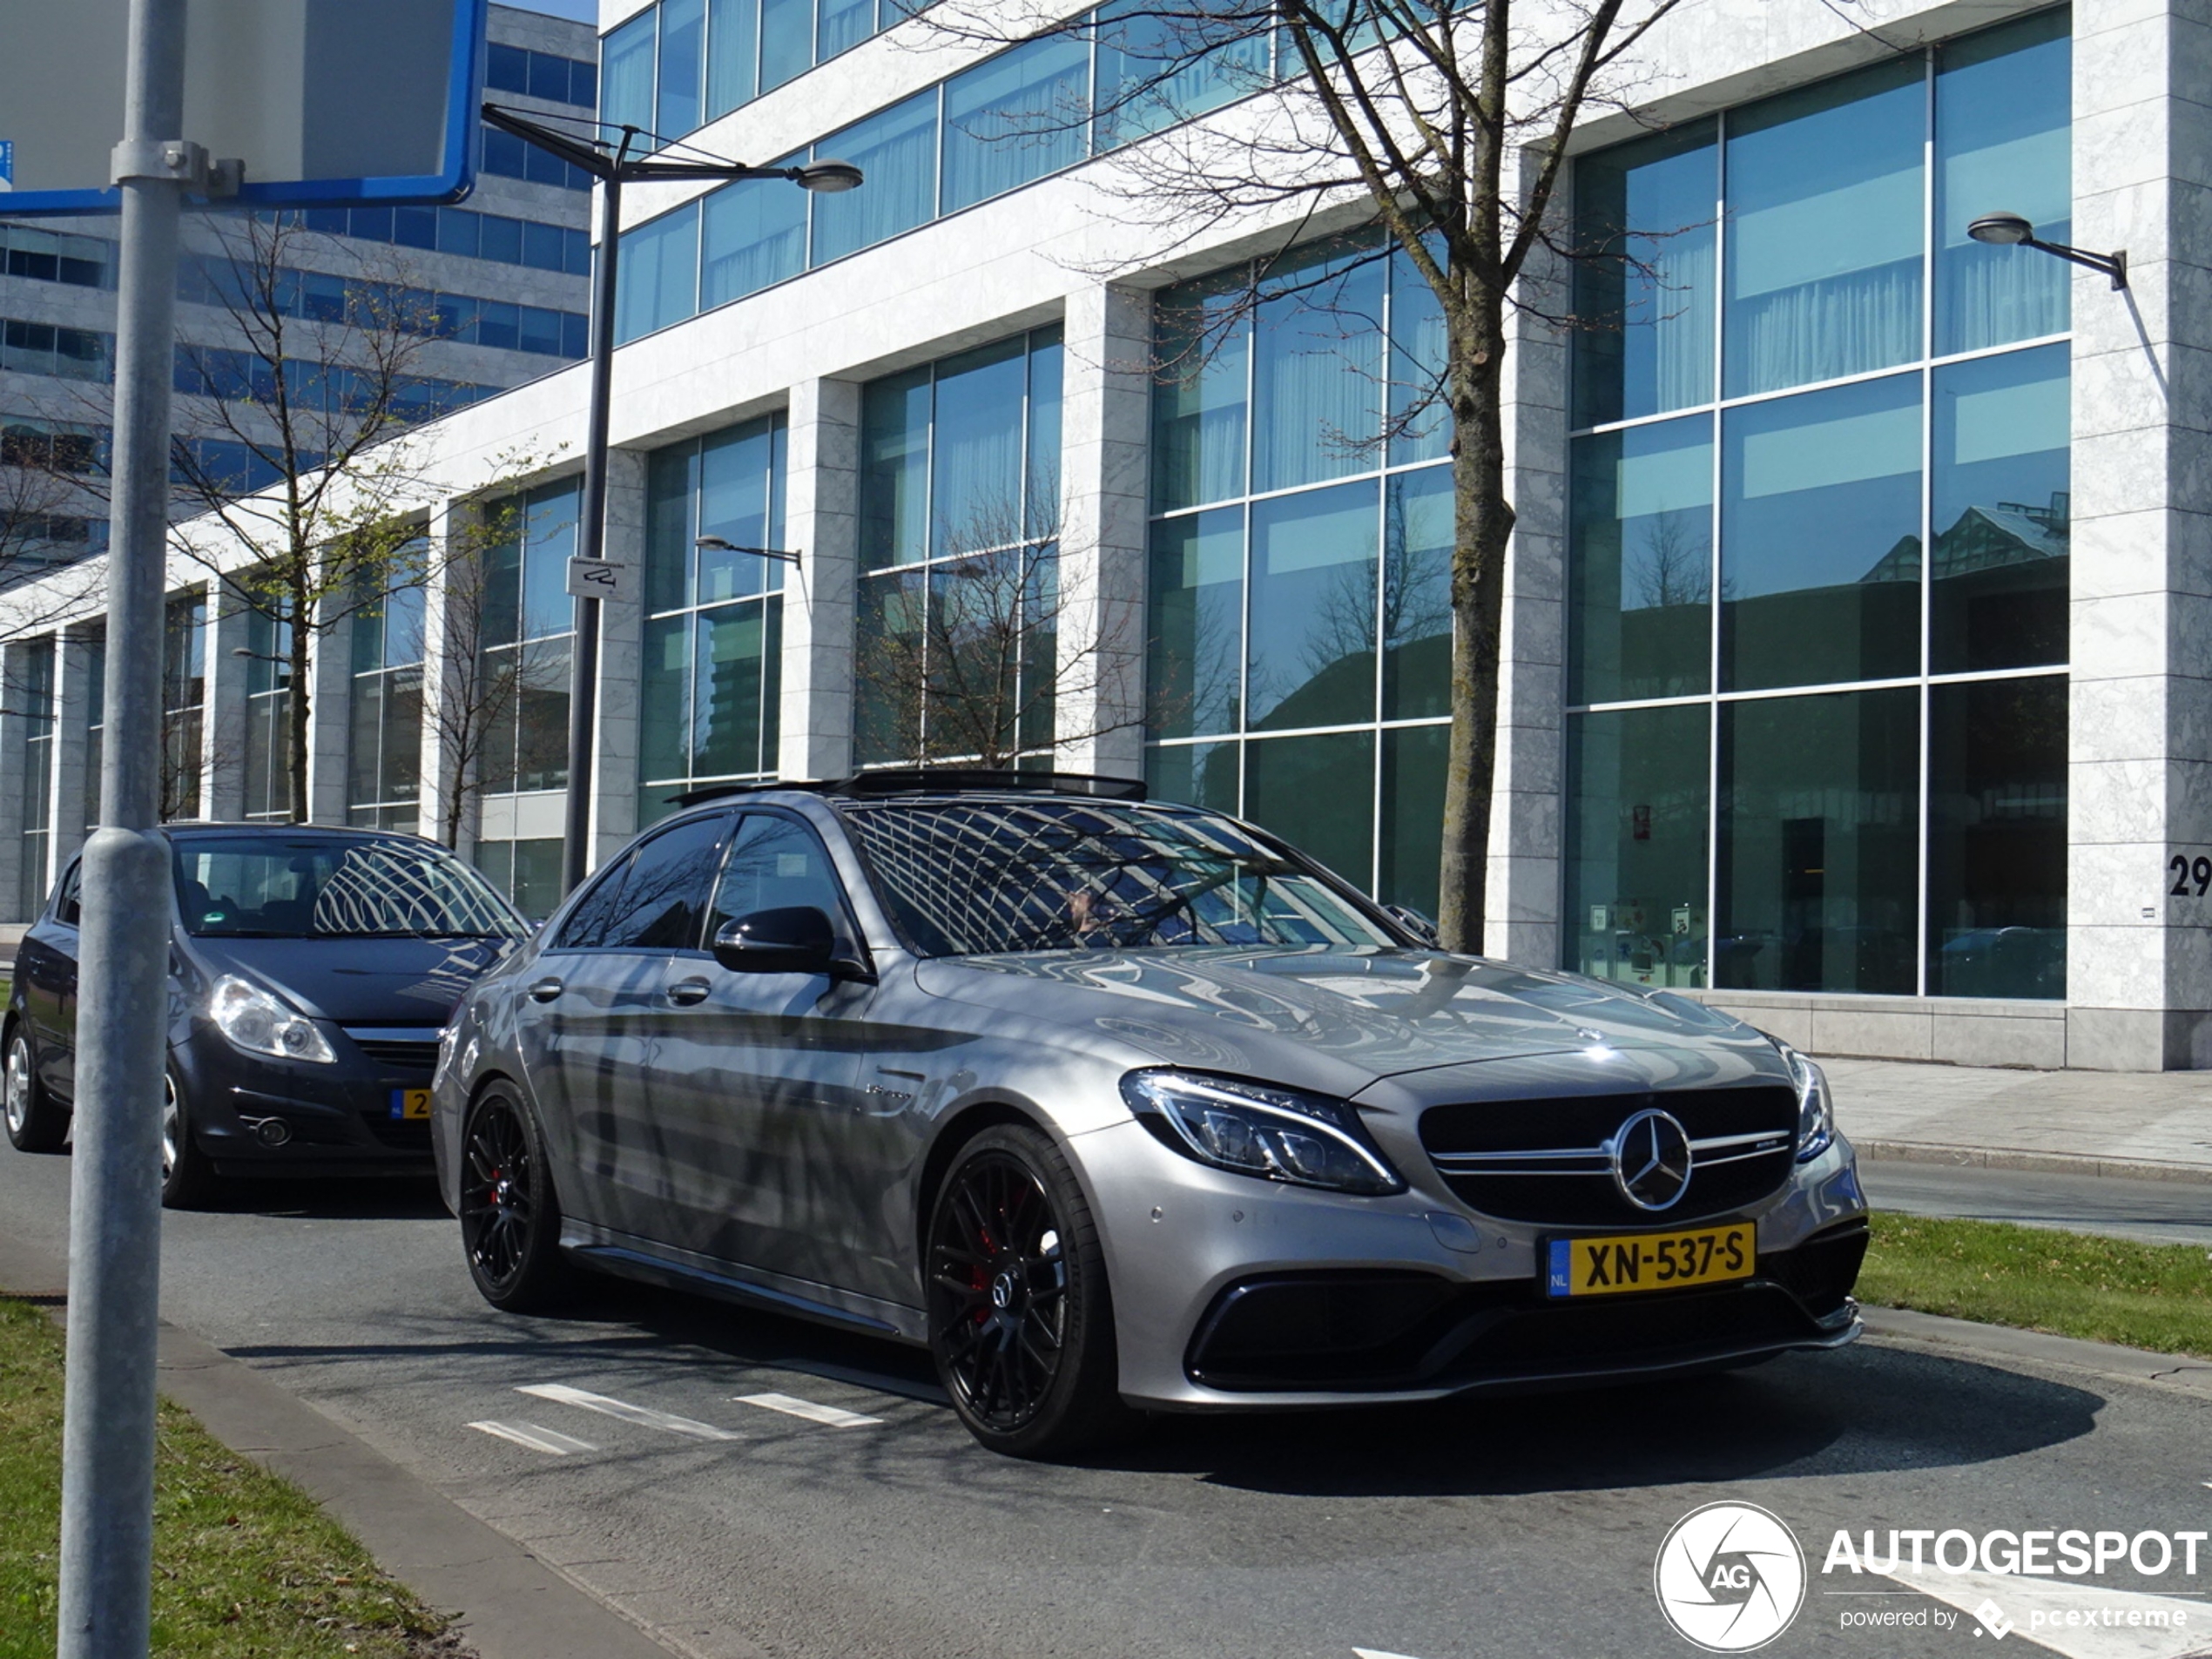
x=328, y=103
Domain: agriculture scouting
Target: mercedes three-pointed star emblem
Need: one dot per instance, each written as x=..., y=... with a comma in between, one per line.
x=1651, y=1160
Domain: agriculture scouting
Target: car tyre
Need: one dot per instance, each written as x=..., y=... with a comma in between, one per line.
x=1021, y=1317
x=510, y=1217
x=36, y=1121
x=188, y=1177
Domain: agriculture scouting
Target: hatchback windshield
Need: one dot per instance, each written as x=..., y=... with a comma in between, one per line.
x=269, y=887
x=970, y=878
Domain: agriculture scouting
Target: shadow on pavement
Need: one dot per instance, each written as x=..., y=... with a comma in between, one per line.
x=396, y=1198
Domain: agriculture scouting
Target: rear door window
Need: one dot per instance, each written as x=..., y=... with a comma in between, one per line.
x=69, y=903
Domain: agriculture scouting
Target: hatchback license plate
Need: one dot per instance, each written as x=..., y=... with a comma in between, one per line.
x=411, y=1105
x=1650, y=1261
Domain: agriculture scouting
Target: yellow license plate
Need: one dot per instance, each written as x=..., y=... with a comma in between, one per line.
x=411, y=1105
x=1650, y=1261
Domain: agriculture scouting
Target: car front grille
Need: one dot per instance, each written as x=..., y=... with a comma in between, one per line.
x=1546, y=1161
x=398, y=1053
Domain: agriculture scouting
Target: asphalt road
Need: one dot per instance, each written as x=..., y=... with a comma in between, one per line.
x=2157, y=1212
x=1502, y=1527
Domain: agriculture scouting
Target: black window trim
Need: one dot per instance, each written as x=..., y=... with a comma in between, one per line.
x=846, y=923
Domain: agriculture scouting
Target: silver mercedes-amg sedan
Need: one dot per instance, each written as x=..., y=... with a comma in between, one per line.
x=1120, y=1107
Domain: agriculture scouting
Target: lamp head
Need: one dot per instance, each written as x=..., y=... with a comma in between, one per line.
x=830, y=177
x=2003, y=230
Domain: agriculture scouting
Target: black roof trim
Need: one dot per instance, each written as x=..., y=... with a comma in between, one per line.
x=935, y=780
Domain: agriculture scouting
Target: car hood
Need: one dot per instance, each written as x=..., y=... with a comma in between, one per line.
x=1336, y=1019
x=357, y=981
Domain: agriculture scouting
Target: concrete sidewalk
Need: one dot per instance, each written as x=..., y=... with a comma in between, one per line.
x=2148, y=1125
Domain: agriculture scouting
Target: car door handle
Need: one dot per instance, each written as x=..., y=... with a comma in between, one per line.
x=686, y=992
x=545, y=990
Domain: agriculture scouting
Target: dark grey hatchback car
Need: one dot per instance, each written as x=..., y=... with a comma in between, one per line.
x=309, y=972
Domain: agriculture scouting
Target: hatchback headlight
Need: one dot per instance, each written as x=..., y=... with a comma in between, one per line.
x=1816, y=1115
x=257, y=1022
x=1261, y=1129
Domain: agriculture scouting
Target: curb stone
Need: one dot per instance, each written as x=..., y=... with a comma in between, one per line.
x=1906, y=1326
x=1963, y=1157
x=506, y=1603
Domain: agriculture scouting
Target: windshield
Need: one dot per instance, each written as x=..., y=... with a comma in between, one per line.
x=974, y=878
x=274, y=887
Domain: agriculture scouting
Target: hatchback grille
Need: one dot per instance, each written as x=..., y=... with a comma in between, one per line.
x=399, y=1054
x=1545, y=1161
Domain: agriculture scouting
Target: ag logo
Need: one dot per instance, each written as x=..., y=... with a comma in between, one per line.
x=1730, y=1577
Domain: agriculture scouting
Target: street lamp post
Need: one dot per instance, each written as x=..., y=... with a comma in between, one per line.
x=612, y=163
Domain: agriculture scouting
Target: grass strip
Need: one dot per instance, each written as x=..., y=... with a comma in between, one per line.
x=244, y=1563
x=2157, y=1297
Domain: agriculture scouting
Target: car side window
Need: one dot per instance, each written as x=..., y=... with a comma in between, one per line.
x=69, y=903
x=665, y=893
x=777, y=862
x=586, y=927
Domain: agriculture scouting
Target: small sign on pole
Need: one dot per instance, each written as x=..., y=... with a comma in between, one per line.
x=596, y=579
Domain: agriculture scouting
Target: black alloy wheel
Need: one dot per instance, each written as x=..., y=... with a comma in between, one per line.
x=36, y=1121
x=1020, y=1323
x=510, y=1220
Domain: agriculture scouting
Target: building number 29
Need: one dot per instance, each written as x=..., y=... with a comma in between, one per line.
x=2185, y=872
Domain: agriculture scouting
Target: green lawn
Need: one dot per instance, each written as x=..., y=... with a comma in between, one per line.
x=245, y=1564
x=2074, y=1285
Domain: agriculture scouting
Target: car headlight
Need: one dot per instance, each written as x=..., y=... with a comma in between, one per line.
x=1261, y=1129
x=257, y=1022
x=1816, y=1115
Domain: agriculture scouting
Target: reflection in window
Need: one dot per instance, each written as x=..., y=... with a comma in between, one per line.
x=1417, y=595
x=959, y=468
x=1194, y=683
x=1636, y=844
x=184, y=686
x=1641, y=576
x=1311, y=648
x=30, y=695
x=527, y=873
x=1309, y=791
x=752, y=234
x=1199, y=401
x=1645, y=292
x=658, y=284
x=523, y=643
x=2004, y=143
x=1820, y=537
x=268, y=700
x=383, y=775
x=1825, y=210
x=1408, y=865
x=1818, y=831
x=2000, y=513
x=1997, y=839
x=1316, y=371
x=714, y=618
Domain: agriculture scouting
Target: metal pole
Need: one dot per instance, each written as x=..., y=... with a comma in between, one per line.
x=115, y=1222
x=591, y=541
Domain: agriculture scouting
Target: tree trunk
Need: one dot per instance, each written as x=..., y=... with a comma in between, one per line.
x=296, y=706
x=1482, y=525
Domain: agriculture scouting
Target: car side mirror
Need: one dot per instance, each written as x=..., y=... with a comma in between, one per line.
x=796, y=940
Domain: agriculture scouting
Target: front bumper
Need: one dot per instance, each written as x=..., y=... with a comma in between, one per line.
x=1231, y=1294
x=335, y=1118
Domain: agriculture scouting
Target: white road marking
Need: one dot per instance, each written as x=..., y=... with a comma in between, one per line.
x=537, y=1439
x=794, y=1406
x=629, y=1413
x=1377, y=1653
x=2036, y=1610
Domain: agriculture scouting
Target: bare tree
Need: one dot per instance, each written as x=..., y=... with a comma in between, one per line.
x=284, y=445
x=1676, y=568
x=1444, y=124
x=966, y=660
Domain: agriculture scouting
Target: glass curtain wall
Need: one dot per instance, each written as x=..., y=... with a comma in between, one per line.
x=184, y=693
x=268, y=704
x=681, y=63
x=1301, y=545
x=1029, y=112
x=959, y=526
x=1819, y=539
x=714, y=620
x=30, y=695
x=529, y=624
x=384, y=766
